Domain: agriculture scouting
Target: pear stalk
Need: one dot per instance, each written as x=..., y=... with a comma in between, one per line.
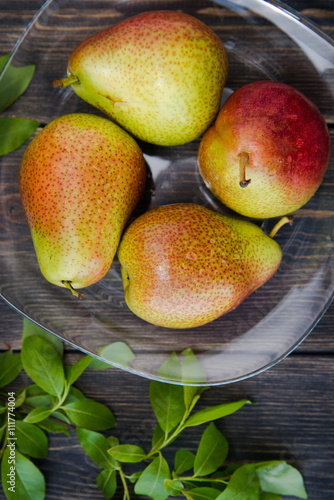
x=65, y=82
x=75, y=292
x=287, y=219
x=244, y=159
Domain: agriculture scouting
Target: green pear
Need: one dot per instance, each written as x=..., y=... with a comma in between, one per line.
x=268, y=151
x=184, y=265
x=160, y=75
x=80, y=179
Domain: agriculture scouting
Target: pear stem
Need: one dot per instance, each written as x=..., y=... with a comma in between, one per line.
x=287, y=219
x=75, y=292
x=65, y=82
x=244, y=159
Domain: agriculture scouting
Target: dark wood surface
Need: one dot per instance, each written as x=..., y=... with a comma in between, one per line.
x=294, y=415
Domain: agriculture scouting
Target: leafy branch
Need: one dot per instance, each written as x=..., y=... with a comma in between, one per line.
x=51, y=404
x=14, y=131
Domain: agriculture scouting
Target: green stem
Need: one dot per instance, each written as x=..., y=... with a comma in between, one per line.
x=287, y=219
x=26, y=407
x=178, y=429
x=62, y=398
x=126, y=495
x=74, y=292
x=224, y=480
x=65, y=82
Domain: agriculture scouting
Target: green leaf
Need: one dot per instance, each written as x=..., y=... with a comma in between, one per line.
x=2, y=433
x=212, y=451
x=60, y=415
x=167, y=401
x=14, y=82
x=184, y=460
x=43, y=364
x=29, y=481
x=31, y=439
x=269, y=496
x=20, y=397
x=90, y=415
x=151, y=481
x=74, y=394
x=192, y=372
x=10, y=367
x=36, y=396
x=158, y=437
x=52, y=426
x=171, y=369
x=14, y=132
x=244, y=484
x=96, y=446
x=106, y=482
x=214, y=412
x=173, y=487
x=117, y=352
x=112, y=441
x=38, y=414
x=3, y=60
x=30, y=328
x=282, y=479
x=134, y=477
x=73, y=372
x=204, y=493
x=6, y=354
x=128, y=453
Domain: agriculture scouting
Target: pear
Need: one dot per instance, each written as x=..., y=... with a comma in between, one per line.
x=80, y=178
x=184, y=265
x=268, y=151
x=160, y=75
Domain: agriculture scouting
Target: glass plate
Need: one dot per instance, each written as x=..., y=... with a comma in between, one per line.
x=264, y=40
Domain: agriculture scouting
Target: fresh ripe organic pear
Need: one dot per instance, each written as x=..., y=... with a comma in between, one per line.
x=267, y=153
x=160, y=75
x=184, y=265
x=80, y=179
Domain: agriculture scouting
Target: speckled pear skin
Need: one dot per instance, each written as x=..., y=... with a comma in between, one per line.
x=160, y=75
x=184, y=265
x=80, y=179
x=286, y=139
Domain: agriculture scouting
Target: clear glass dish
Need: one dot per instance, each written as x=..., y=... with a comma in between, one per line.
x=264, y=40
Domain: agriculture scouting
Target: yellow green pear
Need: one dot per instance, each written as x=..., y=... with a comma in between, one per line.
x=80, y=179
x=160, y=75
x=184, y=265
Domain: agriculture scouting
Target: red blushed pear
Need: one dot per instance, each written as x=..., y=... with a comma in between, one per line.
x=80, y=179
x=268, y=151
x=184, y=265
x=160, y=75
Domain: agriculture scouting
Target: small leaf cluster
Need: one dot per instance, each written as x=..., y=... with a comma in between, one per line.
x=14, y=131
x=51, y=404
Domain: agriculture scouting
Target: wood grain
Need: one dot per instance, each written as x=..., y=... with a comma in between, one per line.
x=293, y=418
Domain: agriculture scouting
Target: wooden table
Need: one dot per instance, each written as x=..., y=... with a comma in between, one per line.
x=294, y=416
